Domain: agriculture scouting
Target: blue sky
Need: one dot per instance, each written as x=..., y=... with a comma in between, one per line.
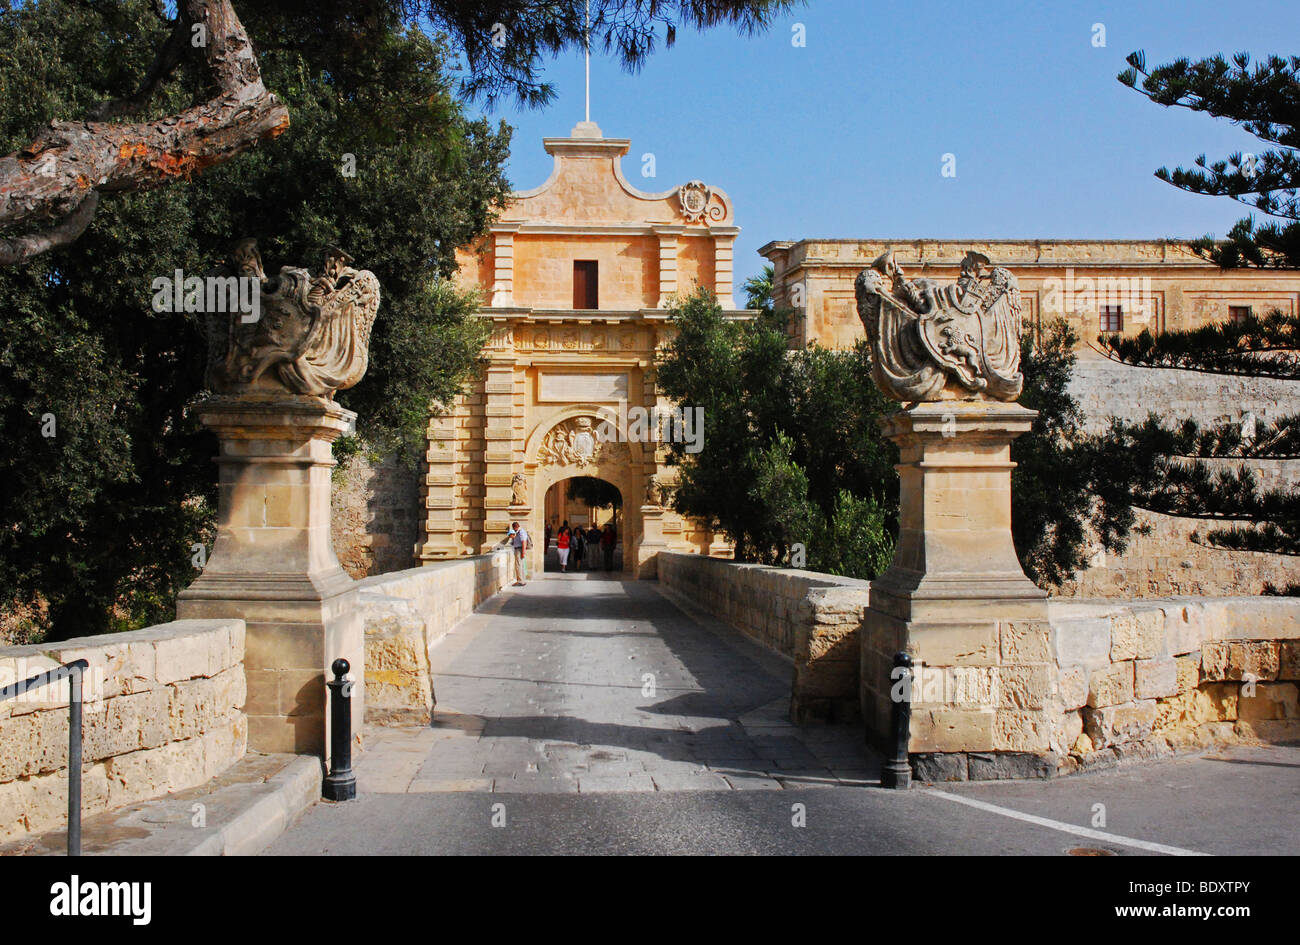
x=845, y=137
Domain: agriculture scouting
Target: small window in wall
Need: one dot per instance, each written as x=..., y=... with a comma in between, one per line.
x=1112, y=318
x=586, y=284
x=1238, y=313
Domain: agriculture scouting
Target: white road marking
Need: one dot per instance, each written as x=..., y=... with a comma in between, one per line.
x=1066, y=828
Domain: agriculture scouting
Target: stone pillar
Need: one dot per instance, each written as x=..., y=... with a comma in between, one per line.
x=273, y=564
x=650, y=543
x=956, y=593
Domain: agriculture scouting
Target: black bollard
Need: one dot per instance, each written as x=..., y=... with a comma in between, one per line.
x=341, y=784
x=897, y=772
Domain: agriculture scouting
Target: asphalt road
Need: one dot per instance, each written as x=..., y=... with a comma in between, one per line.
x=1240, y=802
x=549, y=741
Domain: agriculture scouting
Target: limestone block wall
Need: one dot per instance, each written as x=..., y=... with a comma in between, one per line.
x=163, y=711
x=1167, y=561
x=407, y=612
x=1101, y=682
x=376, y=519
x=813, y=619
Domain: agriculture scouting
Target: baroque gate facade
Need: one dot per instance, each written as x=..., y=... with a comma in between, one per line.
x=577, y=275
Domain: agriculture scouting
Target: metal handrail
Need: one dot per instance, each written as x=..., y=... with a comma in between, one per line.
x=72, y=671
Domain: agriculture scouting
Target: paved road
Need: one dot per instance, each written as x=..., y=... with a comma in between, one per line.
x=550, y=739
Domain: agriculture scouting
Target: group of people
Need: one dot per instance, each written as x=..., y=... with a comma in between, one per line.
x=579, y=546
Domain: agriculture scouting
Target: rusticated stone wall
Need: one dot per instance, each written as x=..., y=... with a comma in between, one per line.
x=1103, y=682
x=376, y=515
x=407, y=612
x=1167, y=561
x=163, y=712
x=812, y=619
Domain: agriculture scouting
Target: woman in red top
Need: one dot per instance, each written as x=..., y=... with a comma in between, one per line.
x=562, y=546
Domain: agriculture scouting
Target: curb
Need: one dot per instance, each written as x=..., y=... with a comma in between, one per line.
x=293, y=790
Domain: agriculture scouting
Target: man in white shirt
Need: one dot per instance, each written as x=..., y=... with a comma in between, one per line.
x=520, y=543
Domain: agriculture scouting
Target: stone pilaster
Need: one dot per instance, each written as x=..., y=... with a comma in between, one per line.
x=651, y=542
x=499, y=452
x=503, y=265
x=724, y=240
x=667, y=261
x=440, y=487
x=273, y=564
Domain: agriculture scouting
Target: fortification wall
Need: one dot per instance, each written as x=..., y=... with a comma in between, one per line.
x=376, y=516
x=1102, y=683
x=1167, y=561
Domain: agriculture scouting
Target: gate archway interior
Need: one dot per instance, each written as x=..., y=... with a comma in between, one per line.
x=584, y=502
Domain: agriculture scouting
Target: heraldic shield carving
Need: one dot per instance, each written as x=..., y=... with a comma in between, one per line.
x=934, y=342
x=311, y=335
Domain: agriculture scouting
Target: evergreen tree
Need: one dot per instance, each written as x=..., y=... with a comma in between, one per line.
x=794, y=453
x=1178, y=468
x=1263, y=101
x=103, y=505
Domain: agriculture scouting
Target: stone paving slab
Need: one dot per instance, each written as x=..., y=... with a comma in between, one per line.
x=606, y=686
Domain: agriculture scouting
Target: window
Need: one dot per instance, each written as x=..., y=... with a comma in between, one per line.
x=1238, y=313
x=1112, y=318
x=586, y=284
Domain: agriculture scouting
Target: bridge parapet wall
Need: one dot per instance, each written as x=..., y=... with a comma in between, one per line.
x=812, y=619
x=1098, y=683
x=163, y=711
x=404, y=613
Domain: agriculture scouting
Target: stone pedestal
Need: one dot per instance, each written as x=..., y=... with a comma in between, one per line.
x=651, y=542
x=273, y=564
x=956, y=593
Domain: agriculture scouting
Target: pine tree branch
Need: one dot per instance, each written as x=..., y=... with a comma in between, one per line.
x=53, y=177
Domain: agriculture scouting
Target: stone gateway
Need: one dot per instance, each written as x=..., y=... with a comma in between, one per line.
x=577, y=275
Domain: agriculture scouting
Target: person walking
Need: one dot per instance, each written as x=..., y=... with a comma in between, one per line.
x=607, y=539
x=593, y=547
x=520, y=543
x=562, y=546
x=577, y=542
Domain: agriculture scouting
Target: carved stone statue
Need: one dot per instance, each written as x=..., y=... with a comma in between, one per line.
x=654, y=491
x=933, y=342
x=518, y=489
x=308, y=335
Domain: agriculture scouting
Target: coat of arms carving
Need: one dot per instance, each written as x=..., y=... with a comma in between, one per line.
x=694, y=199
x=574, y=443
x=312, y=335
x=943, y=342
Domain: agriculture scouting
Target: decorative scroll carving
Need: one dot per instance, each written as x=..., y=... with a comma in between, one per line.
x=934, y=342
x=694, y=198
x=311, y=334
x=574, y=443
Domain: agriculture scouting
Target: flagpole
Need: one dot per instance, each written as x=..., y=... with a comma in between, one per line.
x=586, y=46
